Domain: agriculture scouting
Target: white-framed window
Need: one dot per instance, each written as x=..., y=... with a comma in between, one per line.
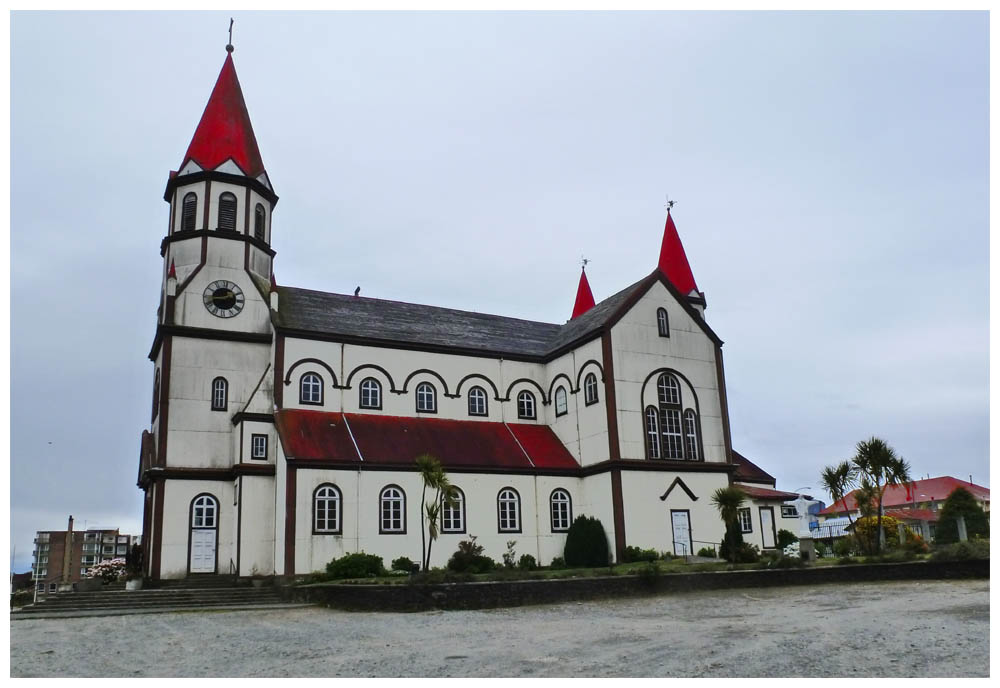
x=561, y=509
x=392, y=510
x=220, y=394
x=508, y=511
x=121, y=549
x=746, y=523
x=108, y=549
x=526, y=405
x=691, y=435
x=371, y=393
x=789, y=511
x=326, y=509
x=662, y=323
x=204, y=512
x=88, y=560
x=669, y=390
x=426, y=398
x=90, y=536
x=42, y=573
x=652, y=432
x=561, y=405
x=43, y=548
x=123, y=538
x=43, y=560
x=227, y=212
x=477, y=401
x=311, y=389
x=669, y=394
x=40, y=587
x=90, y=548
x=453, y=514
x=258, y=447
x=590, y=389
x=52, y=587
x=189, y=212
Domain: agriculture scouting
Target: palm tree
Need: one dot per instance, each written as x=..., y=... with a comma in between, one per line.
x=728, y=500
x=838, y=481
x=878, y=462
x=436, y=479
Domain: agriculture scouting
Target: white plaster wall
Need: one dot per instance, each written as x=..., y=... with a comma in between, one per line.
x=638, y=350
x=647, y=518
x=244, y=435
x=596, y=502
x=180, y=191
x=176, y=524
x=257, y=548
x=224, y=261
x=280, y=511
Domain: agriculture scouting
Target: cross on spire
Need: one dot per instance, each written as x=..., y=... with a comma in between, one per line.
x=229, y=45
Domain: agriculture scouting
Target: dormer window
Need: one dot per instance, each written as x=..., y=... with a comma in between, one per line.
x=662, y=323
x=189, y=212
x=227, y=212
x=258, y=222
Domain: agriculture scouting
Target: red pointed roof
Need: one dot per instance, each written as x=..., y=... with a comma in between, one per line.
x=673, y=260
x=224, y=131
x=172, y=272
x=584, y=297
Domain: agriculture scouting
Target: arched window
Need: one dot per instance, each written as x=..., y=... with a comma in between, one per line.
x=590, y=389
x=453, y=512
x=561, y=405
x=220, y=394
x=426, y=398
x=311, y=389
x=662, y=323
x=189, y=212
x=227, y=212
x=477, y=401
x=508, y=511
x=561, y=510
x=258, y=222
x=691, y=436
x=392, y=510
x=371, y=393
x=326, y=510
x=156, y=395
x=669, y=394
x=652, y=433
x=526, y=405
x=204, y=512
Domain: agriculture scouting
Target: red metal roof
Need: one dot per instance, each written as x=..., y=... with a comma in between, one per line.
x=766, y=494
x=673, y=260
x=913, y=514
x=225, y=131
x=748, y=471
x=584, y=297
x=395, y=440
x=930, y=490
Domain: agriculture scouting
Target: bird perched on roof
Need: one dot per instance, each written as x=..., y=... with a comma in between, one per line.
x=357, y=291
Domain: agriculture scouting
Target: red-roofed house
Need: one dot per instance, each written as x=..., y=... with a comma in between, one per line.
x=769, y=509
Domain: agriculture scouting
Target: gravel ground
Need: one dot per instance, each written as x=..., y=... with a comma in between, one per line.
x=898, y=629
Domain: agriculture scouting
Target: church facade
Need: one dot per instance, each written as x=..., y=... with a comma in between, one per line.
x=286, y=422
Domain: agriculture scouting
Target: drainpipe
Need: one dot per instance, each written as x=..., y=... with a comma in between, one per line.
x=67, y=552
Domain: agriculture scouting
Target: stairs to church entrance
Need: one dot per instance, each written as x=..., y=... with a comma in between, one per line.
x=217, y=593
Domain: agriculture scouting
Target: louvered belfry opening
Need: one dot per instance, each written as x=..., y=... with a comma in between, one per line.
x=227, y=212
x=258, y=222
x=189, y=212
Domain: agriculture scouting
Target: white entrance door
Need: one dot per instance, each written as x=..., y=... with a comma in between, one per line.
x=767, y=526
x=203, y=550
x=680, y=521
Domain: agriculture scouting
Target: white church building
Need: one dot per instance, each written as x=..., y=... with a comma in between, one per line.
x=285, y=422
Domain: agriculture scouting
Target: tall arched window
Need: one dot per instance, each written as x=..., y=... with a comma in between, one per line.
x=392, y=510
x=477, y=401
x=220, y=394
x=326, y=510
x=258, y=222
x=426, y=398
x=311, y=389
x=662, y=323
x=508, y=511
x=189, y=212
x=227, y=212
x=561, y=510
x=590, y=389
x=652, y=433
x=691, y=444
x=561, y=405
x=669, y=393
x=371, y=393
x=526, y=405
x=204, y=512
x=453, y=513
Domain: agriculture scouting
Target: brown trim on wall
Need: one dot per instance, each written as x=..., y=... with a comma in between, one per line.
x=618, y=510
x=659, y=465
x=723, y=400
x=239, y=520
x=162, y=427
x=159, y=489
x=163, y=331
x=206, y=234
x=210, y=474
x=290, y=505
x=209, y=175
x=279, y=368
x=610, y=400
x=255, y=417
x=147, y=519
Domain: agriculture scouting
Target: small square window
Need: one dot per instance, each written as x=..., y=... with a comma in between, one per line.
x=789, y=511
x=258, y=447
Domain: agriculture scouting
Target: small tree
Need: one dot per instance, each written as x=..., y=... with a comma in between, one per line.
x=962, y=503
x=436, y=479
x=728, y=500
x=586, y=543
x=838, y=480
x=880, y=467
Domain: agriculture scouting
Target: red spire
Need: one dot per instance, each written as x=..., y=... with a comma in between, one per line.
x=584, y=297
x=274, y=282
x=673, y=261
x=224, y=130
x=172, y=272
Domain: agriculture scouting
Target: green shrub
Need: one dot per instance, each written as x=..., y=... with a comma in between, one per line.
x=557, y=563
x=356, y=565
x=469, y=558
x=844, y=547
x=509, y=557
x=973, y=549
x=527, y=563
x=438, y=575
x=586, y=543
x=961, y=503
x=649, y=573
x=707, y=552
x=847, y=560
x=866, y=531
x=636, y=554
x=785, y=538
x=405, y=564
x=731, y=542
x=746, y=554
x=820, y=548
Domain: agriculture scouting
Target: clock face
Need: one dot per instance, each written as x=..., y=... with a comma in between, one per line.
x=224, y=299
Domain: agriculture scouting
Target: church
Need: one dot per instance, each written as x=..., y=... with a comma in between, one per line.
x=285, y=422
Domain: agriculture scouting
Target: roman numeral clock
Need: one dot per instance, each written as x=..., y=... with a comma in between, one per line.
x=224, y=299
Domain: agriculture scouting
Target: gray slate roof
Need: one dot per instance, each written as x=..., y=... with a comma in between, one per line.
x=356, y=317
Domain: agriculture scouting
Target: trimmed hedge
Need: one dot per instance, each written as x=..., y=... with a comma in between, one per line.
x=586, y=543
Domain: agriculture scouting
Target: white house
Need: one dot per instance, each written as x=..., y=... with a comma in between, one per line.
x=285, y=422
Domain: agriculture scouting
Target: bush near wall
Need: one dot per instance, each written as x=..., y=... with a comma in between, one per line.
x=638, y=554
x=356, y=565
x=586, y=543
x=961, y=503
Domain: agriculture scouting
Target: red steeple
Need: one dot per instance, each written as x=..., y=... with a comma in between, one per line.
x=224, y=131
x=584, y=297
x=673, y=261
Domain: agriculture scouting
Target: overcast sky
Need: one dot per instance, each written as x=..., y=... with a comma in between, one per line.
x=831, y=173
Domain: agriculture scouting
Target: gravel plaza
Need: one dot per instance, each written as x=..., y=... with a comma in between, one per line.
x=887, y=629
